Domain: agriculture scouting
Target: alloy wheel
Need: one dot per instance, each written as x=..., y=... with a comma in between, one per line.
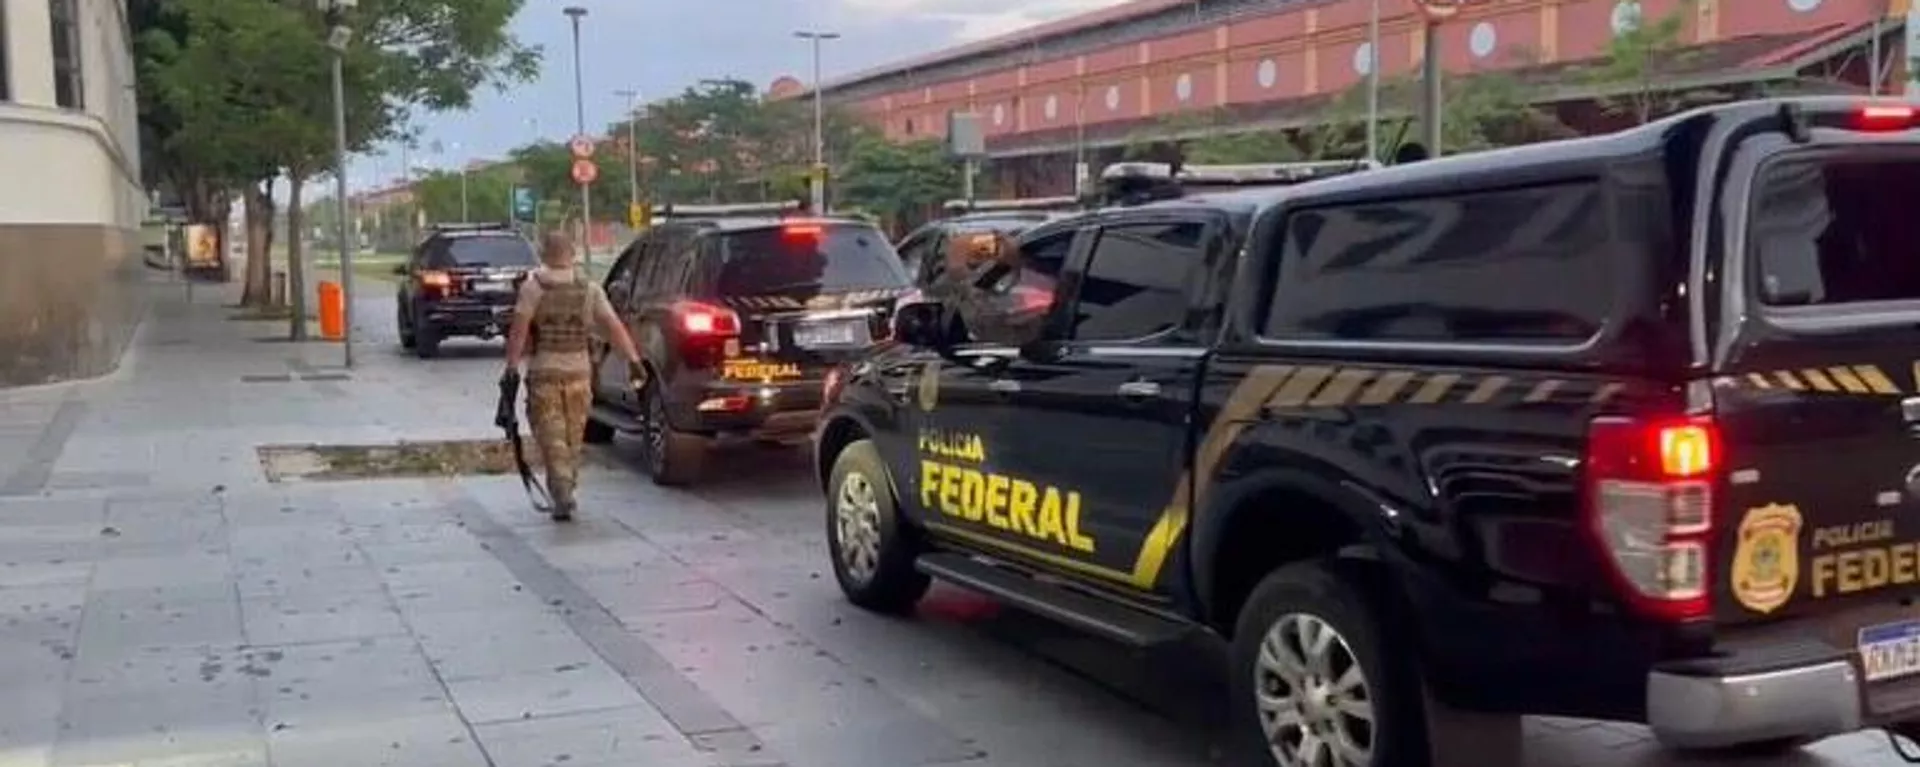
x=1314, y=701
x=856, y=516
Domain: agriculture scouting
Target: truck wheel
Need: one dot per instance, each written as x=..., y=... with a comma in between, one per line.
x=872, y=550
x=1316, y=680
x=674, y=457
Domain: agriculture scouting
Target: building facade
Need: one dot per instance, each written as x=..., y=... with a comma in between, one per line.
x=1060, y=89
x=71, y=199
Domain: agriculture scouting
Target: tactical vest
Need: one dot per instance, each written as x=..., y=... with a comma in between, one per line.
x=561, y=319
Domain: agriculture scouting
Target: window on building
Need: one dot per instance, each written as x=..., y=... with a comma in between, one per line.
x=6, y=76
x=69, y=83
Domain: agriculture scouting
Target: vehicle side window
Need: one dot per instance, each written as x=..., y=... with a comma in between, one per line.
x=647, y=279
x=1833, y=230
x=1014, y=310
x=619, y=282
x=676, y=259
x=1135, y=284
x=1515, y=267
x=914, y=252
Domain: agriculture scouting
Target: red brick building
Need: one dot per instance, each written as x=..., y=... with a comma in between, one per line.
x=1092, y=81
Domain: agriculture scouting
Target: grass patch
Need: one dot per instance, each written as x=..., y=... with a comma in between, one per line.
x=448, y=458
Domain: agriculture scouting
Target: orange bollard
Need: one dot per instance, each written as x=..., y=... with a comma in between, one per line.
x=332, y=312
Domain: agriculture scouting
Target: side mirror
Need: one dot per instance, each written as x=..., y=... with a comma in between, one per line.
x=920, y=324
x=400, y=270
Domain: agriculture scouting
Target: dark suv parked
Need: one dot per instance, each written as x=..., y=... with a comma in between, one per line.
x=461, y=281
x=739, y=312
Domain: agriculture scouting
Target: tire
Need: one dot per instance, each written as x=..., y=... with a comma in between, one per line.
x=406, y=328
x=1293, y=600
x=426, y=341
x=880, y=575
x=597, y=433
x=674, y=458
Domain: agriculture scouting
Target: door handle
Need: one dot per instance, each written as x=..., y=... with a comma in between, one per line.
x=1139, y=389
x=1004, y=386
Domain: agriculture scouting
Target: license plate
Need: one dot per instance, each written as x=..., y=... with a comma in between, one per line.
x=491, y=287
x=1890, y=650
x=815, y=334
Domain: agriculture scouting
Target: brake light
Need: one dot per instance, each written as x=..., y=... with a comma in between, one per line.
x=707, y=321
x=1884, y=117
x=436, y=279
x=802, y=231
x=1649, y=505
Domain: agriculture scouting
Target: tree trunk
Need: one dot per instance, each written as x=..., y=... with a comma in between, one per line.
x=258, y=290
x=296, y=257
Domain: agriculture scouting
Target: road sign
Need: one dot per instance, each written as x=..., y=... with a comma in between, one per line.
x=582, y=147
x=524, y=204
x=584, y=171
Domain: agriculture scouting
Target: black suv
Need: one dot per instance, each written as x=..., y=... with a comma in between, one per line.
x=1616, y=428
x=739, y=312
x=923, y=249
x=462, y=280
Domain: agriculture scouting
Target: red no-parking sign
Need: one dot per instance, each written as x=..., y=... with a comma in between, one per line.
x=584, y=171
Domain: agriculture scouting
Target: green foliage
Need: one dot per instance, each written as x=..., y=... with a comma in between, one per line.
x=896, y=181
x=1480, y=111
x=487, y=195
x=1639, y=62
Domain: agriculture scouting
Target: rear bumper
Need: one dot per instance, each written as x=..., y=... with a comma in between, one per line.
x=774, y=411
x=1814, y=699
x=468, y=319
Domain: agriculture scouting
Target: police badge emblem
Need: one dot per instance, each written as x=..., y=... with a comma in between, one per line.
x=1766, y=560
x=930, y=385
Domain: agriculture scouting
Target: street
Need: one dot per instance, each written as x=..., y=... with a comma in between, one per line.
x=162, y=602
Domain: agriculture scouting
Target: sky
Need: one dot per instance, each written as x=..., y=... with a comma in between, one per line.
x=661, y=47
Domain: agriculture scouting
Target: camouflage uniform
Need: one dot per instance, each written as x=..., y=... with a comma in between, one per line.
x=558, y=379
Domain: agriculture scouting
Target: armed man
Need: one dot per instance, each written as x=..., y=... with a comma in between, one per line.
x=558, y=306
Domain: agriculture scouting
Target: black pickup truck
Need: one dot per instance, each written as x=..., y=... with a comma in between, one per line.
x=1621, y=427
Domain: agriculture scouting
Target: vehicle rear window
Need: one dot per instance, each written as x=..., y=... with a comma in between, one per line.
x=1837, y=230
x=831, y=258
x=504, y=250
x=1516, y=266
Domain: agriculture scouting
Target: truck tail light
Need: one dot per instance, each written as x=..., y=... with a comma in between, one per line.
x=1649, y=488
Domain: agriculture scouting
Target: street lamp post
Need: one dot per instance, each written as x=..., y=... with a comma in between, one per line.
x=819, y=184
x=633, y=147
x=575, y=13
x=338, y=36
x=1373, y=82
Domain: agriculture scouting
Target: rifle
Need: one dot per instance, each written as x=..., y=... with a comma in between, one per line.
x=507, y=418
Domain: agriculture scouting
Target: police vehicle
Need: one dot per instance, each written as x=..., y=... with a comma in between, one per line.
x=924, y=249
x=738, y=310
x=462, y=280
x=1620, y=427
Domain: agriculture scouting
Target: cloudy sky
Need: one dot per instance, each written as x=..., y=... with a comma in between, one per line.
x=659, y=47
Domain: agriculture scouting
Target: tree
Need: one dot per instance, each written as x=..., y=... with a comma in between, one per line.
x=897, y=181
x=1239, y=148
x=486, y=196
x=1639, y=61
x=240, y=88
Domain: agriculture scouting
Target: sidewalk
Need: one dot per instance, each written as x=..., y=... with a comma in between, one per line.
x=162, y=603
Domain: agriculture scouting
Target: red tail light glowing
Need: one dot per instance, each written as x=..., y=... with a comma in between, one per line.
x=707, y=321
x=1885, y=117
x=1649, y=504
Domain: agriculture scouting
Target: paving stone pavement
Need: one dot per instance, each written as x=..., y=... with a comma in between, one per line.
x=161, y=603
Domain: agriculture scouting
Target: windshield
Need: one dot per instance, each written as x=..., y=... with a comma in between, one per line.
x=813, y=259
x=495, y=251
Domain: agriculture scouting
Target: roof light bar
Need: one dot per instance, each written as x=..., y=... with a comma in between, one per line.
x=473, y=226
x=1025, y=203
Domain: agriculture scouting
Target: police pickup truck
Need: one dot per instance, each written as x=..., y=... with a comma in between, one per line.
x=1623, y=427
